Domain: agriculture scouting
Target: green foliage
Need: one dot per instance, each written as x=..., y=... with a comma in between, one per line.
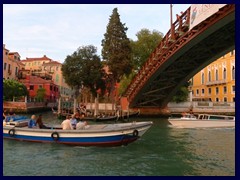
x=145, y=44
x=182, y=94
x=40, y=94
x=125, y=81
x=116, y=49
x=13, y=88
x=84, y=68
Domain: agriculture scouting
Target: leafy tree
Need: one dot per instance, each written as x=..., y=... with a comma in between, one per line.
x=182, y=94
x=13, y=89
x=126, y=80
x=40, y=94
x=84, y=69
x=116, y=49
x=145, y=44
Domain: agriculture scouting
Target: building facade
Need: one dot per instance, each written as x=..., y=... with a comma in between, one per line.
x=216, y=82
x=47, y=68
x=11, y=64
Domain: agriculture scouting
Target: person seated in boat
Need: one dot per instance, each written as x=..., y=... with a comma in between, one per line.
x=82, y=117
x=32, y=122
x=81, y=125
x=77, y=116
x=4, y=114
x=40, y=123
x=73, y=122
x=66, y=123
x=11, y=112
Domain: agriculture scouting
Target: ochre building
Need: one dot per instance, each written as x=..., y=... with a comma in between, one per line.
x=216, y=82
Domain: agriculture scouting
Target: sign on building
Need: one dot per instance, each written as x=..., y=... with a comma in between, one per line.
x=200, y=12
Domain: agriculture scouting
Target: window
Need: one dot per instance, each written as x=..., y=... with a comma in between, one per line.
x=217, y=90
x=233, y=99
x=16, y=71
x=209, y=76
x=216, y=75
x=31, y=87
x=202, y=91
x=225, y=89
x=233, y=89
x=197, y=92
x=5, y=66
x=40, y=86
x=225, y=99
x=233, y=73
x=217, y=100
x=202, y=78
x=209, y=91
x=224, y=74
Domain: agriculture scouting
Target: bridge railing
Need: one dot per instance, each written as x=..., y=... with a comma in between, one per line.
x=178, y=29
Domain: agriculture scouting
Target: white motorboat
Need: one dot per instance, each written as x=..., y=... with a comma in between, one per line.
x=202, y=121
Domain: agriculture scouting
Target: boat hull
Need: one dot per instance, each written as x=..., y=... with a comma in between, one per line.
x=105, y=135
x=181, y=123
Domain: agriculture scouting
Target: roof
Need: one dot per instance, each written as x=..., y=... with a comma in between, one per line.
x=37, y=59
x=37, y=80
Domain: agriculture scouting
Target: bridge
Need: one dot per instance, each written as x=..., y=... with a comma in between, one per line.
x=184, y=51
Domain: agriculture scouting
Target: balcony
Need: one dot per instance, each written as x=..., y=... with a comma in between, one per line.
x=212, y=83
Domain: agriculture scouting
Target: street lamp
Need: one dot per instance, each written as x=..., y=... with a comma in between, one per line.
x=171, y=24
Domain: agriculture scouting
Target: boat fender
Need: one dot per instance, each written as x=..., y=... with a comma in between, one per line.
x=55, y=136
x=11, y=132
x=135, y=133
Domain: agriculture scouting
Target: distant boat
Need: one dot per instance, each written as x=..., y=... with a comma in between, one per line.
x=130, y=115
x=93, y=135
x=202, y=121
x=99, y=119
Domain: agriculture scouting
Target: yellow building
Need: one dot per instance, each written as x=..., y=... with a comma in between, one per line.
x=11, y=64
x=216, y=82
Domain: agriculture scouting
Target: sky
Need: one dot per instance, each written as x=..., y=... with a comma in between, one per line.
x=57, y=30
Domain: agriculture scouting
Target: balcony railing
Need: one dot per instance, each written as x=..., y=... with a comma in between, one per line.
x=210, y=83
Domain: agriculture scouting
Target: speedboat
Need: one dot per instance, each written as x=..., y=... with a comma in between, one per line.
x=92, y=135
x=202, y=121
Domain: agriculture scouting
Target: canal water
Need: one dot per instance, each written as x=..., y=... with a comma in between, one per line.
x=162, y=151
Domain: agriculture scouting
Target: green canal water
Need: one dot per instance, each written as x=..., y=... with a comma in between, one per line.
x=162, y=151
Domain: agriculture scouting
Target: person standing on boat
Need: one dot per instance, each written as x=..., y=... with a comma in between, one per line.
x=32, y=122
x=40, y=123
x=73, y=122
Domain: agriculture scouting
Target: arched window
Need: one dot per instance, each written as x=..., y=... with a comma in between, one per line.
x=224, y=73
x=202, y=78
x=216, y=75
x=209, y=76
x=233, y=72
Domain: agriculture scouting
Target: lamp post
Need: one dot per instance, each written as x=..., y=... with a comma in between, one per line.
x=171, y=24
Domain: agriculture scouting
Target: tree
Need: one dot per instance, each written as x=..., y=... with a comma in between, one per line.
x=145, y=44
x=116, y=49
x=40, y=94
x=182, y=94
x=13, y=89
x=84, y=69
